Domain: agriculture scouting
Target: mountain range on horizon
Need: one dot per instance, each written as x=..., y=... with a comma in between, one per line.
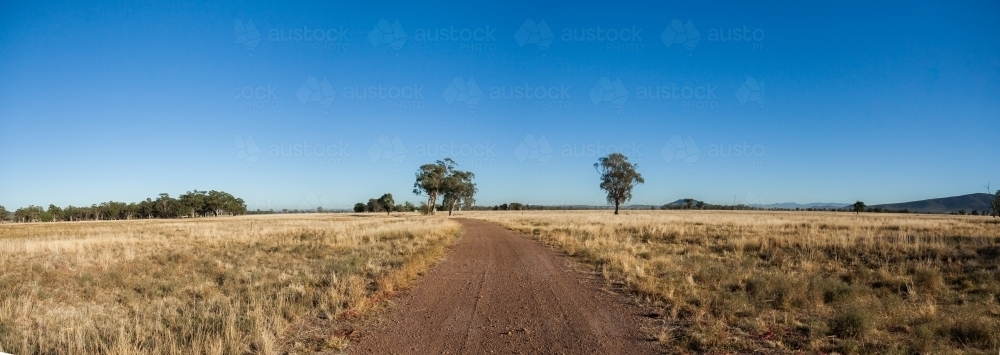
x=970, y=202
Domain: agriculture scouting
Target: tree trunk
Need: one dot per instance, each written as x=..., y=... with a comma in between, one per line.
x=432, y=202
x=616, y=207
x=451, y=208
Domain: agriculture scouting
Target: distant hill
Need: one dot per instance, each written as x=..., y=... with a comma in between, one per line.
x=788, y=205
x=971, y=202
x=978, y=202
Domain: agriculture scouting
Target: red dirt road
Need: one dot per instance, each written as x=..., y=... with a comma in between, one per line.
x=498, y=291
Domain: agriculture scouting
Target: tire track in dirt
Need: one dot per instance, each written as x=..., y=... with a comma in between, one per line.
x=498, y=291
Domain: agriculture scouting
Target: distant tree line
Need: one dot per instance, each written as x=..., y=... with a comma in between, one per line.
x=295, y=210
x=512, y=206
x=189, y=205
x=384, y=204
x=963, y=212
x=857, y=207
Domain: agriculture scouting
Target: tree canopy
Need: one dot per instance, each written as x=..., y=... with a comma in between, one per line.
x=859, y=207
x=458, y=189
x=618, y=177
x=387, y=203
x=429, y=180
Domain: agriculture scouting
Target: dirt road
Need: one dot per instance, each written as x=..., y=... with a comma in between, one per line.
x=497, y=291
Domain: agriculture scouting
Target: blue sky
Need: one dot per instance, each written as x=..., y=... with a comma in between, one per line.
x=768, y=103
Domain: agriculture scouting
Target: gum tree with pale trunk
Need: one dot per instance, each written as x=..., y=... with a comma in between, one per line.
x=430, y=179
x=618, y=177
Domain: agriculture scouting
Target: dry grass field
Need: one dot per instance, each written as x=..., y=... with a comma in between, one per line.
x=239, y=285
x=784, y=282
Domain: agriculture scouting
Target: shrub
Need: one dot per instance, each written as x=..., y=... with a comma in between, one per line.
x=853, y=322
x=974, y=330
x=928, y=279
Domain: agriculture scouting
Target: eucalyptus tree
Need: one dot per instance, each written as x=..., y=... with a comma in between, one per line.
x=430, y=179
x=858, y=207
x=458, y=189
x=387, y=203
x=618, y=177
x=373, y=205
x=165, y=206
x=995, y=204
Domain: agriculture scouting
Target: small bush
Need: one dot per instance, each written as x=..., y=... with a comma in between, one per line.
x=835, y=290
x=978, y=331
x=923, y=339
x=424, y=209
x=928, y=280
x=852, y=322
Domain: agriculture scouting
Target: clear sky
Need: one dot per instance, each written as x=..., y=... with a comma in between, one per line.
x=752, y=101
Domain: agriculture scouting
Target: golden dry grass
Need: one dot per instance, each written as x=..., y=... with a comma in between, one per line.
x=255, y=284
x=781, y=282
